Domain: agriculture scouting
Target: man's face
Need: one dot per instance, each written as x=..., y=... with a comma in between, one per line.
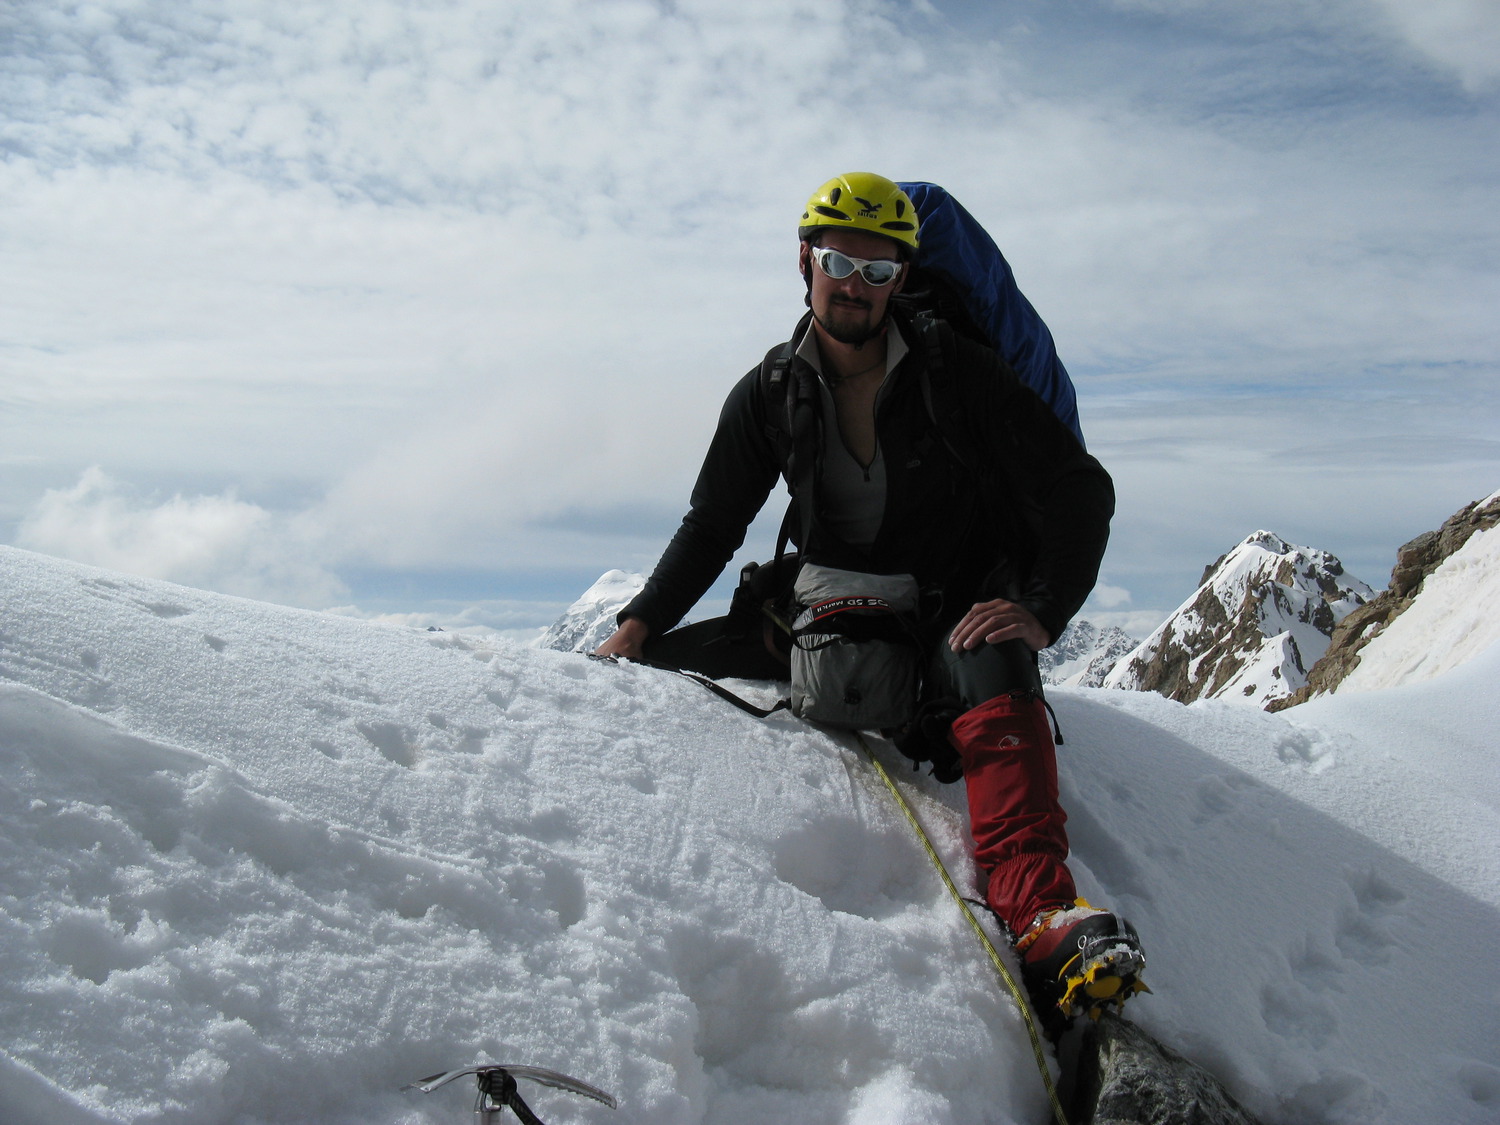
x=850, y=309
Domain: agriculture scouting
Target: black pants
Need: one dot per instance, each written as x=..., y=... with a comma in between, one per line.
x=712, y=649
x=969, y=678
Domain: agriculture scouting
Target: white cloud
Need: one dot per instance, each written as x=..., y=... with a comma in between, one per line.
x=516, y=109
x=1109, y=597
x=1112, y=605
x=217, y=542
x=1462, y=35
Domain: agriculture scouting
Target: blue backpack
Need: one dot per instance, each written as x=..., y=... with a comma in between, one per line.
x=962, y=277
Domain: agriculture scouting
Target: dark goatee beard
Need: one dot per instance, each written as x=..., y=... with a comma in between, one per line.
x=856, y=336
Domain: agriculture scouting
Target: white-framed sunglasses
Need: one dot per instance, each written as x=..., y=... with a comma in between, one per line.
x=838, y=265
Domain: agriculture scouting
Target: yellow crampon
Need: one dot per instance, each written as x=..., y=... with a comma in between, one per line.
x=1107, y=981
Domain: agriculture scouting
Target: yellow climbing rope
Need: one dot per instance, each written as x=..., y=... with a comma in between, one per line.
x=984, y=939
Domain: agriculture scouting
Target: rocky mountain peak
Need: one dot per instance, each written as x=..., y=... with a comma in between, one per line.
x=1261, y=616
x=1084, y=655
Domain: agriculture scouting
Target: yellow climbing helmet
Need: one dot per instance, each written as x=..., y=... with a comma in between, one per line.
x=862, y=201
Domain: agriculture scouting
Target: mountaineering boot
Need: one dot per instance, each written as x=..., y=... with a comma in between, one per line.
x=1075, y=958
x=1079, y=959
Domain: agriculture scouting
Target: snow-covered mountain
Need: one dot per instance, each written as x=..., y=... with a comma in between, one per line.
x=259, y=864
x=1084, y=655
x=1261, y=617
x=586, y=623
x=1442, y=606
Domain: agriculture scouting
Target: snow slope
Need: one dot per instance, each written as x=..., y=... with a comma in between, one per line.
x=1454, y=618
x=263, y=865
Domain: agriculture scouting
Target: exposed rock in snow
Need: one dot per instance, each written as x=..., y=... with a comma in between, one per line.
x=1441, y=608
x=1084, y=654
x=591, y=619
x=1125, y=1077
x=1260, y=618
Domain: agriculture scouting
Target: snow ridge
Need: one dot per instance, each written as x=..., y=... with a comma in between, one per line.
x=1442, y=608
x=263, y=864
x=1453, y=619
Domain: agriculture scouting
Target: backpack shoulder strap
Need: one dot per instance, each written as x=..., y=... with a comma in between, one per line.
x=774, y=376
x=790, y=421
x=940, y=394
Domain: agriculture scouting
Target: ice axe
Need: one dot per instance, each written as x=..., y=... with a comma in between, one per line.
x=497, y=1089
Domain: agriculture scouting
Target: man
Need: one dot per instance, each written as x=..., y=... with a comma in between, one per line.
x=1003, y=525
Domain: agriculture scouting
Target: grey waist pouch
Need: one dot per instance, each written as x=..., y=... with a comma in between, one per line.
x=855, y=657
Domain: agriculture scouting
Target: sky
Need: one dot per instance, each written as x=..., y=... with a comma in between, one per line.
x=427, y=309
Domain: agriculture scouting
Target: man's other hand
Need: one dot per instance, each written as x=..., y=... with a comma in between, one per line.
x=997, y=621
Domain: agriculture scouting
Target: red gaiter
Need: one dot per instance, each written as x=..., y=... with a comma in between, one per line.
x=1010, y=771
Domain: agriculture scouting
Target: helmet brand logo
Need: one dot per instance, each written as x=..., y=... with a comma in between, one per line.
x=869, y=209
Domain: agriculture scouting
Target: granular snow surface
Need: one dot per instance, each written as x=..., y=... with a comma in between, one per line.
x=263, y=865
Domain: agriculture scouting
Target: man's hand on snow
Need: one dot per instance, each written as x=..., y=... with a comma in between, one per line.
x=626, y=641
x=997, y=621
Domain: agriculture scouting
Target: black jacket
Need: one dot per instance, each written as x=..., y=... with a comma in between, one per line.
x=992, y=498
